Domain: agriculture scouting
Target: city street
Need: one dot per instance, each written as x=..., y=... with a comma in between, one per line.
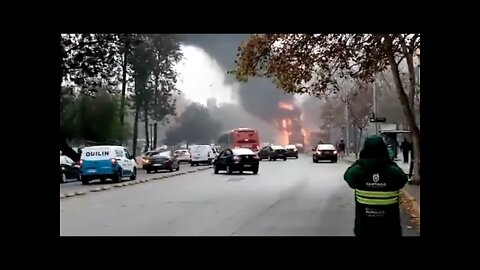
x=293, y=197
x=73, y=185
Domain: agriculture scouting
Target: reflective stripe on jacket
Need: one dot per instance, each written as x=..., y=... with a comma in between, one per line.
x=377, y=197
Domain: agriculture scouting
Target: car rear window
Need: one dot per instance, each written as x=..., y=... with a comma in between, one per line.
x=325, y=147
x=243, y=151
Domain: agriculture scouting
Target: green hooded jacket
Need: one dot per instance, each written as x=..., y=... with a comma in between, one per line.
x=377, y=181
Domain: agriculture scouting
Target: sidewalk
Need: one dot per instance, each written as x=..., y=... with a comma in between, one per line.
x=410, y=193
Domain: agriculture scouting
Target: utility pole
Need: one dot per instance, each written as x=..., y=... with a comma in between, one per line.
x=347, y=129
x=375, y=104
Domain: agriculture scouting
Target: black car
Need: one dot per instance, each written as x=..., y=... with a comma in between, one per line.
x=273, y=152
x=325, y=152
x=69, y=169
x=162, y=161
x=239, y=159
x=292, y=151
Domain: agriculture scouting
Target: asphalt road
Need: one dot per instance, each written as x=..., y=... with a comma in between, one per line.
x=76, y=186
x=294, y=197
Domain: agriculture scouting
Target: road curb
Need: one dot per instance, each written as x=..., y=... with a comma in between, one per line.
x=124, y=184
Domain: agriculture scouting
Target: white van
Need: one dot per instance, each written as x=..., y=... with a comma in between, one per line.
x=201, y=154
x=102, y=162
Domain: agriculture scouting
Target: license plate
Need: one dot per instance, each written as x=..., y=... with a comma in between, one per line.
x=157, y=165
x=247, y=166
x=92, y=171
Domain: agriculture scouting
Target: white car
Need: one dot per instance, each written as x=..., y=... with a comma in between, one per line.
x=201, y=154
x=183, y=155
x=102, y=162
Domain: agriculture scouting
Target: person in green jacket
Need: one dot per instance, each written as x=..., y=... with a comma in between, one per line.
x=377, y=181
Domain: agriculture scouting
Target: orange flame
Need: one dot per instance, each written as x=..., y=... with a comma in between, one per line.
x=285, y=106
x=283, y=140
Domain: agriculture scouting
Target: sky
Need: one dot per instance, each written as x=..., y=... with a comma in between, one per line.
x=201, y=77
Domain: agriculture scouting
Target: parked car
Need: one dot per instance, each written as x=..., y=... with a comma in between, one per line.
x=273, y=152
x=163, y=161
x=69, y=169
x=183, y=155
x=238, y=159
x=292, y=151
x=325, y=152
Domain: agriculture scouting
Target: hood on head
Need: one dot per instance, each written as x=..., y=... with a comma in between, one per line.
x=374, y=152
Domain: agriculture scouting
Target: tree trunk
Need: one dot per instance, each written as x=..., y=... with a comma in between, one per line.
x=147, y=137
x=409, y=114
x=156, y=96
x=155, y=130
x=135, y=129
x=359, y=140
x=355, y=142
x=135, y=122
x=124, y=85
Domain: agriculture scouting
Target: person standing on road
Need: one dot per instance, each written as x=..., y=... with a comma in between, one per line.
x=377, y=181
x=341, y=148
x=405, y=146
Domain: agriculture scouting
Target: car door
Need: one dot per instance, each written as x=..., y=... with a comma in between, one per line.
x=221, y=161
x=129, y=163
x=263, y=152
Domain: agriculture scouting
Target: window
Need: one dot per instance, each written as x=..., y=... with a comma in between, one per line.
x=119, y=153
x=127, y=154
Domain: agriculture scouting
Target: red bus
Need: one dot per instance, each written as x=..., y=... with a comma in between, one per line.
x=240, y=138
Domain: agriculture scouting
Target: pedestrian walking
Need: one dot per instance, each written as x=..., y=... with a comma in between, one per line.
x=377, y=181
x=341, y=148
x=405, y=146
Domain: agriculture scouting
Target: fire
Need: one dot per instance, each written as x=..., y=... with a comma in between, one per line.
x=285, y=106
x=306, y=137
x=283, y=140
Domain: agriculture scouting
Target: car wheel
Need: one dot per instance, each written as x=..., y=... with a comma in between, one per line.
x=241, y=172
x=296, y=157
x=192, y=164
x=84, y=181
x=134, y=175
x=103, y=180
x=229, y=170
x=215, y=169
x=178, y=168
x=269, y=158
x=284, y=159
x=274, y=159
x=148, y=171
x=63, y=178
x=334, y=161
x=315, y=160
x=255, y=171
x=117, y=177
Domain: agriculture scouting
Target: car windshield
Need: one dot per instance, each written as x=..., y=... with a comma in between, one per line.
x=242, y=151
x=325, y=147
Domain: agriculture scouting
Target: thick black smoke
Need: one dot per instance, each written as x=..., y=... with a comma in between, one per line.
x=258, y=96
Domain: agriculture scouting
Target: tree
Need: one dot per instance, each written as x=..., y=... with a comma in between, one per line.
x=312, y=63
x=194, y=126
x=93, y=118
x=359, y=104
x=152, y=62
